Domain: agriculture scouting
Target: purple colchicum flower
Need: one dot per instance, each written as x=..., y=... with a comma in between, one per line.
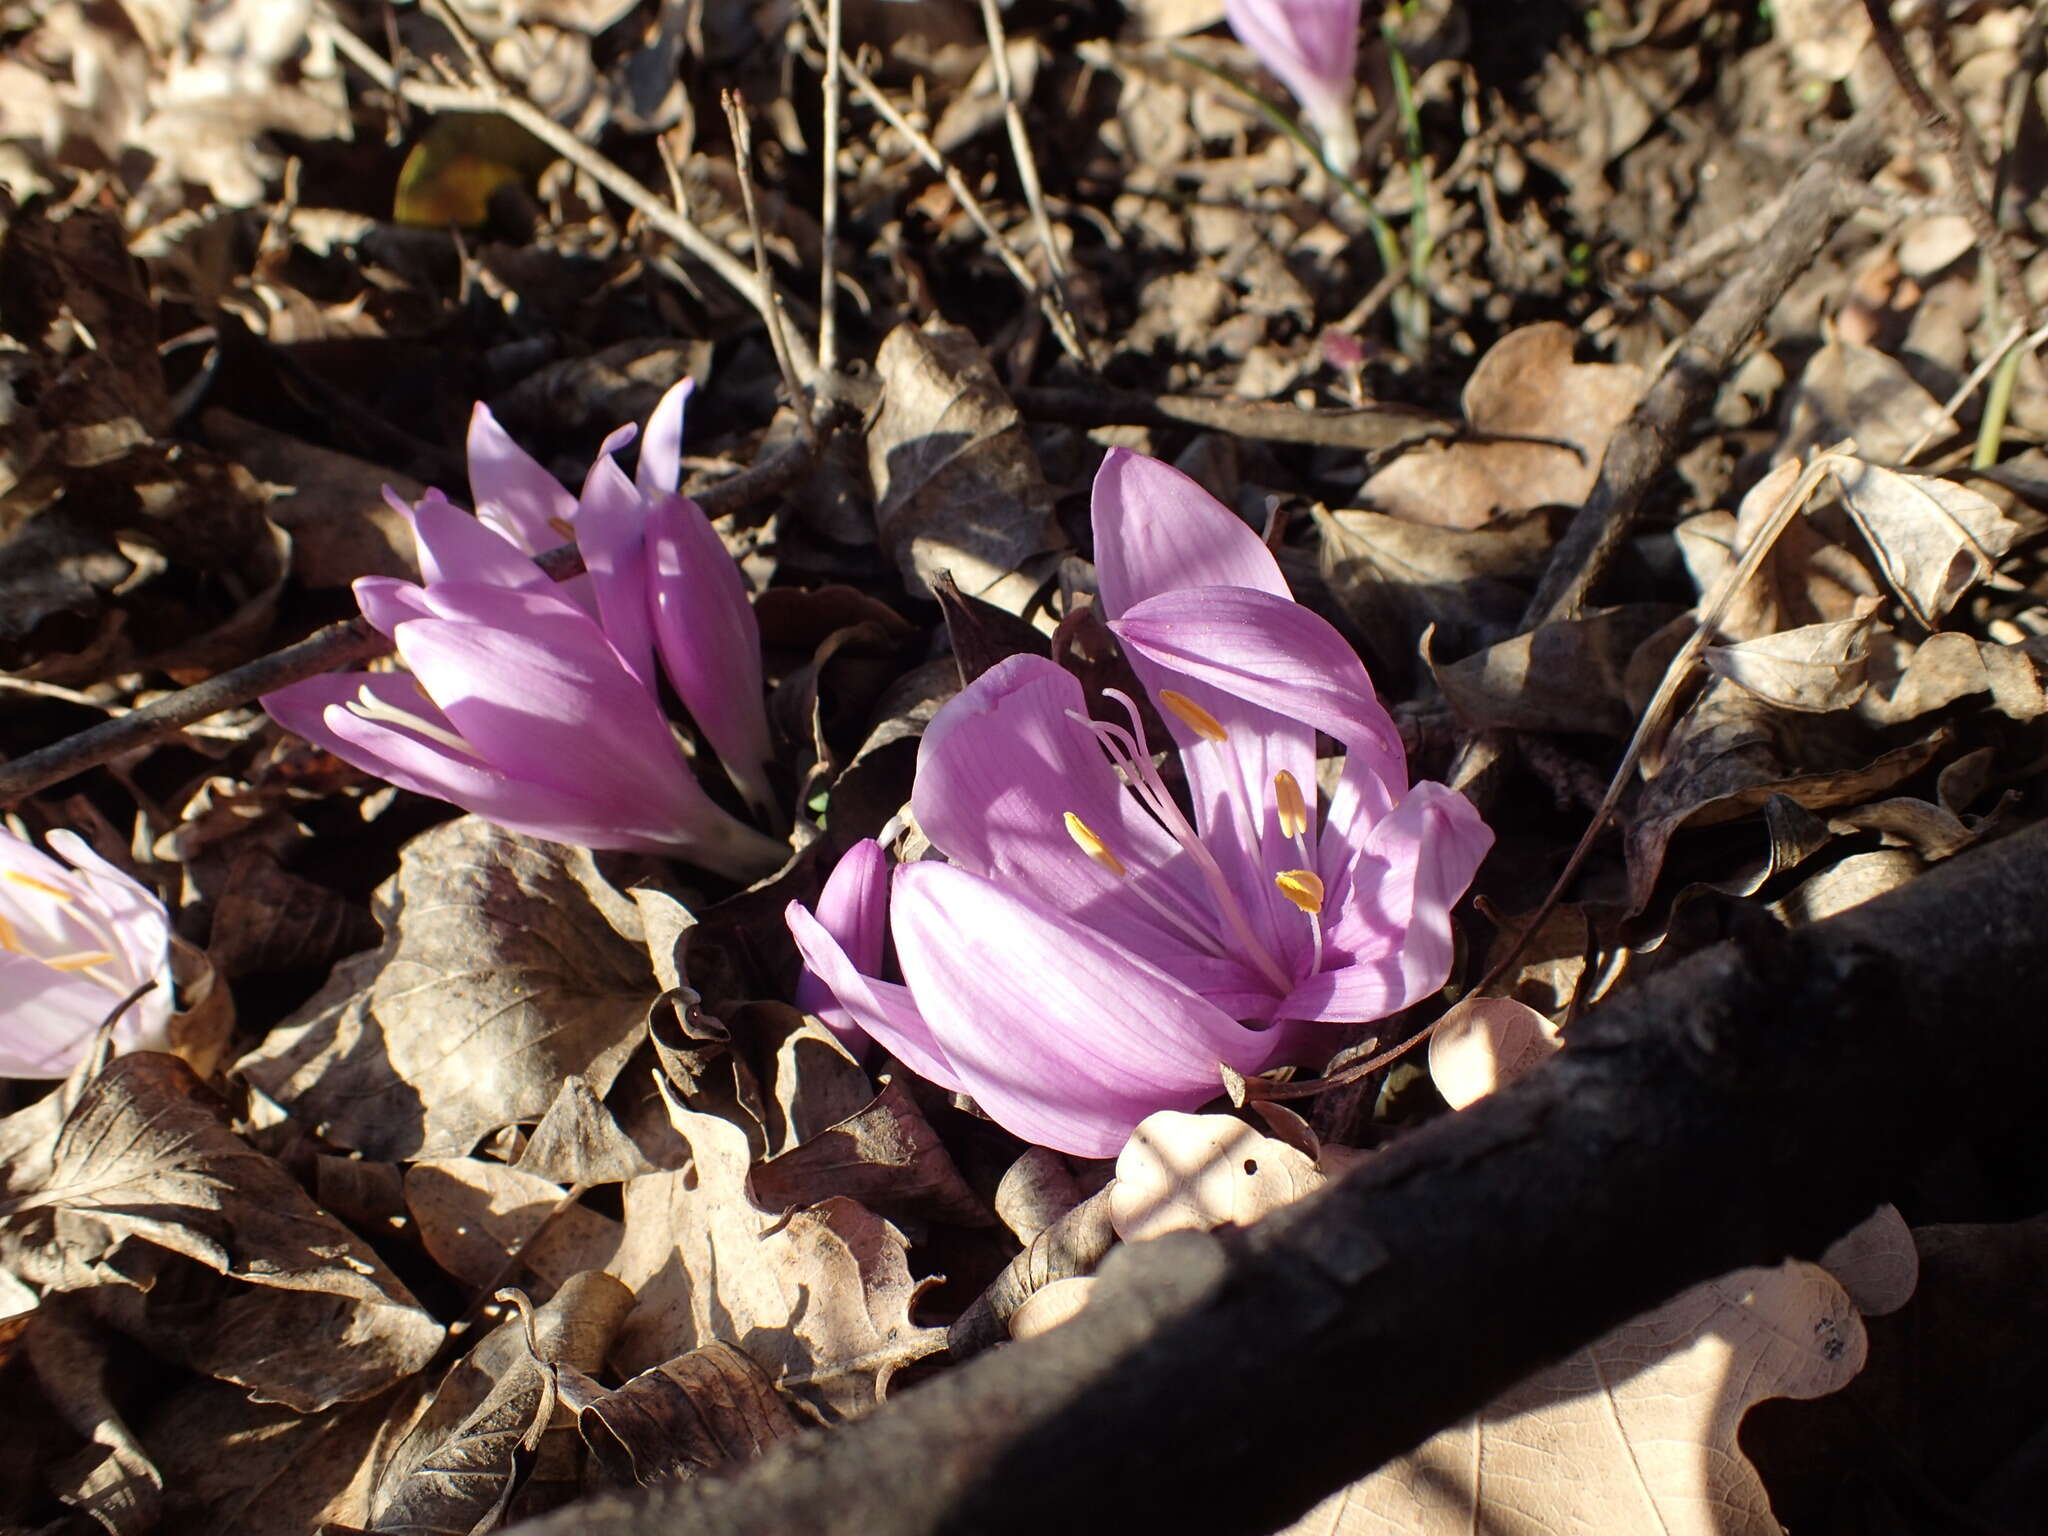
x=538, y=707
x=1312, y=45
x=1088, y=953
x=77, y=936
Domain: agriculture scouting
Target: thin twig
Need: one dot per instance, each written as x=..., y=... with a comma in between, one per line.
x=1942, y=126
x=1062, y=323
x=1020, y=141
x=339, y=645
x=778, y=332
x=1378, y=429
x=828, y=213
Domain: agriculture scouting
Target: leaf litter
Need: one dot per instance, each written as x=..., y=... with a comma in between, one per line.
x=486, y=1172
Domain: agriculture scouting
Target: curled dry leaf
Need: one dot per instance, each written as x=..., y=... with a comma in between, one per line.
x=1528, y=387
x=1934, y=539
x=1036, y=1191
x=1071, y=1246
x=303, y=1312
x=579, y=1141
x=1567, y=675
x=1193, y=1172
x=1876, y=1262
x=820, y=1297
x=508, y=964
x=1852, y=391
x=1484, y=1042
x=700, y=1412
x=475, y=1216
x=957, y=487
x=887, y=1156
x=1635, y=1433
x=112, y=1479
x=1815, y=668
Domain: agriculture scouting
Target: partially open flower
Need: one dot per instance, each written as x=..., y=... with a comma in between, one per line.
x=1312, y=45
x=77, y=937
x=1093, y=950
x=539, y=707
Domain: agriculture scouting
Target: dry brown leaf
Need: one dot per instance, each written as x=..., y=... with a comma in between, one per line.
x=1049, y=1306
x=1815, y=668
x=1635, y=1433
x=820, y=1297
x=1193, y=1172
x=1567, y=675
x=701, y=1412
x=1876, y=1262
x=1036, y=1191
x=579, y=1141
x=508, y=964
x=887, y=1156
x=112, y=1479
x=1858, y=392
x=473, y=1216
x=1483, y=1042
x=1525, y=386
x=957, y=487
x=144, y=1163
x=1934, y=539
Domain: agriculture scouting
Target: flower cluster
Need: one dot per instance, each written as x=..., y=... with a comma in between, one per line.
x=77, y=938
x=539, y=707
x=1088, y=951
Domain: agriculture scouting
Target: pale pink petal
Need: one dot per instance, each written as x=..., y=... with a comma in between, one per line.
x=1312, y=45
x=661, y=448
x=1062, y=1037
x=51, y=1017
x=1156, y=531
x=710, y=644
x=612, y=533
x=882, y=1010
x=388, y=602
x=1389, y=926
x=453, y=546
x=513, y=493
x=854, y=908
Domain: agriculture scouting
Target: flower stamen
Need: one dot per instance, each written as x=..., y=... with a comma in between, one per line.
x=1292, y=808
x=1086, y=840
x=368, y=706
x=1304, y=887
x=1192, y=715
x=18, y=878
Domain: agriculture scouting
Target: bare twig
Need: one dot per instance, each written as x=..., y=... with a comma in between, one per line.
x=1821, y=196
x=778, y=331
x=1048, y=300
x=339, y=645
x=828, y=213
x=1376, y=430
x=1964, y=163
x=1020, y=141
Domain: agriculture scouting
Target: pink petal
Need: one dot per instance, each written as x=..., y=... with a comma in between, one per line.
x=1156, y=531
x=388, y=602
x=710, y=644
x=854, y=909
x=661, y=449
x=1312, y=45
x=51, y=1016
x=1062, y=1037
x=882, y=1010
x=611, y=532
x=1392, y=915
x=998, y=770
x=513, y=493
x=453, y=546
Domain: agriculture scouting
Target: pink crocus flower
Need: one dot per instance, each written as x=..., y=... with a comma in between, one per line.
x=77, y=936
x=1312, y=45
x=1087, y=953
x=538, y=707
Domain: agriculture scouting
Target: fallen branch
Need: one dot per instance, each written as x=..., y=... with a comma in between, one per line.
x=1827, y=190
x=1755, y=1100
x=349, y=644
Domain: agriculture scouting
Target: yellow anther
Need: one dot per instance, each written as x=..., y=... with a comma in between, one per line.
x=85, y=960
x=1085, y=839
x=34, y=884
x=7, y=939
x=1293, y=809
x=564, y=529
x=1303, y=887
x=1193, y=716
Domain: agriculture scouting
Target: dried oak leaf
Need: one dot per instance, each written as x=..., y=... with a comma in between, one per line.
x=1526, y=386
x=142, y=1173
x=1181, y=1172
x=820, y=1297
x=1851, y=391
x=1815, y=668
x=700, y=1412
x=1568, y=675
x=473, y=1216
x=1636, y=1432
x=957, y=486
x=1933, y=539
x=1483, y=1042
x=886, y=1155
x=508, y=964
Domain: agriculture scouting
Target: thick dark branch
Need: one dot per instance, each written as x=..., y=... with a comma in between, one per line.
x=1826, y=191
x=1754, y=1101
